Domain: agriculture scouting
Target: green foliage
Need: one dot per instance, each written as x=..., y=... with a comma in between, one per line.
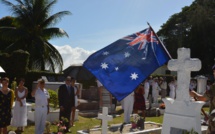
x=192, y=28
x=62, y=124
x=15, y=64
x=190, y=132
x=53, y=98
x=32, y=30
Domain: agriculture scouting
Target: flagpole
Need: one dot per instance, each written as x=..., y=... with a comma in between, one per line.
x=159, y=40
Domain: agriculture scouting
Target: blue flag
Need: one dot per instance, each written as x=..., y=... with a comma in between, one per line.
x=124, y=64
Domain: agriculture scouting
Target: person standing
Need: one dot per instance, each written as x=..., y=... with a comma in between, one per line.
x=76, y=93
x=208, y=95
x=139, y=100
x=146, y=89
x=66, y=100
x=41, y=106
x=128, y=103
x=163, y=86
x=150, y=97
x=6, y=103
x=19, y=119
x=155, y=90
x=172, y=88
x=208, y=85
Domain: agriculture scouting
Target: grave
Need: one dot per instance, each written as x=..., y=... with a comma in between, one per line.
x=53, y=115
x=201, y=84
x=105, y=118
x=182, y=114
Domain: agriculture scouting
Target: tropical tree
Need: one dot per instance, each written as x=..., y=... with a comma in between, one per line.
x=193, y=27
x=32, y=30
x=6, y=22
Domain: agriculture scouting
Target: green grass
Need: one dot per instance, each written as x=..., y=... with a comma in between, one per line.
x=85, y=123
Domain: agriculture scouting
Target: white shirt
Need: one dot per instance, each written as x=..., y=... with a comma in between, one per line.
x=155, y=86
x=163, y=85
x=146, y=85
x=41, y=97
x=172, y=86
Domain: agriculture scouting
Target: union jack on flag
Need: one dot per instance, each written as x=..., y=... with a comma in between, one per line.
x=142, y=39
x=124, y=64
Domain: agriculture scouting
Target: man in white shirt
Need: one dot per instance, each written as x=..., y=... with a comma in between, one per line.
x=41, y=106
x=163, y=86
x=146, y=89
x=155, y=90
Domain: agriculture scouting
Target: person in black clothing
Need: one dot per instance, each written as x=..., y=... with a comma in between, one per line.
x=66, y=100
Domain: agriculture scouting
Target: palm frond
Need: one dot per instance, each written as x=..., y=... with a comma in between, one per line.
x=32, y=32
x=12, y=34
x=55, y=57
x=54, y=32
x=53, y=19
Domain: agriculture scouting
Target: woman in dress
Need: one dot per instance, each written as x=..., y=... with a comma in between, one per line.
x=139, y=100
x=76, y=93
x=6, y=103
x=19, y=119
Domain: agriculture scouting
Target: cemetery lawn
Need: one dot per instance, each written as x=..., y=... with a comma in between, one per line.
x=85, y=123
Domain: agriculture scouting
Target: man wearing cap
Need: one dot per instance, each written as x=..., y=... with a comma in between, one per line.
x=208, y=95
x=41, y=106
x=66, y=98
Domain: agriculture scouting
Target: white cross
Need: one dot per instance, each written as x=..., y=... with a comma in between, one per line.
x=183, y=65
x=105, y=118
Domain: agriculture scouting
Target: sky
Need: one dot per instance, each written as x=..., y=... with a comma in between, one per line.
x=95, y=24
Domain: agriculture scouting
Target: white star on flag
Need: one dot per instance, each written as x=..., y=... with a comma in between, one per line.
x=134, y=76
x=104, y=66
x=127, y=54
x=116, y=68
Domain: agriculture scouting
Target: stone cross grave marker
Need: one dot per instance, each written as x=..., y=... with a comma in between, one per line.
x=183, y=65
x=105, y=118
x=182, y=114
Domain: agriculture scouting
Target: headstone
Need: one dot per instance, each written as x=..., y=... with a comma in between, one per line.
x=201, y=84
x=105, y=118
x=181, y=113
x=183, y=65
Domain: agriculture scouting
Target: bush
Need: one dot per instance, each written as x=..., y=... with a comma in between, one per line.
x=53, y=98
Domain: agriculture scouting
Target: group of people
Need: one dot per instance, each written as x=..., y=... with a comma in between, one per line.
x=68, y=101
x=158, y=86
x=67, y=96
x=19, y=119
x=149, y=91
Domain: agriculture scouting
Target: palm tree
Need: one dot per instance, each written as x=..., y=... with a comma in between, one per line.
x=33, y=30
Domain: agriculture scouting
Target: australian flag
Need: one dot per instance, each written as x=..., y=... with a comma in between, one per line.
x=124, y=64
